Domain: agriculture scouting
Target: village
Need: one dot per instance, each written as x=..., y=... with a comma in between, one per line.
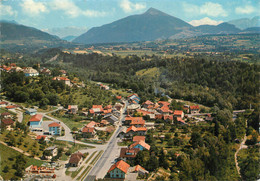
x=126, y=123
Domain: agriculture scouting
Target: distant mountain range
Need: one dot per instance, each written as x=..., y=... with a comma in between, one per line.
x=154, y=25
x=245, y=23
x=149, y=26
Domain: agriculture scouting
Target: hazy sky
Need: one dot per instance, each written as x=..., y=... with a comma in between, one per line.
x=67, y=15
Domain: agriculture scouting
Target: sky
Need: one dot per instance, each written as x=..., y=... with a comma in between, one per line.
x=74, y=17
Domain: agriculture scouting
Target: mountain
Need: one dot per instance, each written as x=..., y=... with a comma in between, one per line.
x=251, y=30
x=17, y=37
x=69, y=38
x=223, y=28
x=11, y=31
x=151, y=25
x=245, y=23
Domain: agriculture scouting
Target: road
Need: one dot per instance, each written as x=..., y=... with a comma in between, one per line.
x=111, y=152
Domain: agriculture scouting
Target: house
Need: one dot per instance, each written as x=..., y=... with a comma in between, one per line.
x=134, y=98
x=63, y=79
x=55, y=128
x=118, y=170
x=138, y=138
x=6, y=115
x=76, y=159
x=72, y=109
x=164, y=110
x=7, y=123
x=140, y=170
x=178, y=113
x=194, y=109
x=63, y=72
x=45, y=71
x=112, y=119
x=91, y=124
x=141, y=145
x=3, y=104
x=39, y=137
x=148, y=104
x=132, y=130
x=180, y=120
x=128, y=154
x=31, y=111
x=163, y=103
x=96, y=110
x=88, y=132
x=43, y=171
x=119, y=106
x=132, y=108
x=137, y=122
x=118, y=97
x=36, y=121
x=107, y=109
x=168, y=118
x=11, y=107
x=104, y=123
x=29, y=72
x=53, y=152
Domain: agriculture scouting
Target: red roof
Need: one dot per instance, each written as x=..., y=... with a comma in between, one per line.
x=165, y=103
x=158, y=116
x=170, y=117
x=40, y=136
x=142, y=143
x=97, y=106
x=165, y=108
x=119, y=97
x=87, y=130
x=124, y=153
x=75, y=157
x=36, y=118
x=194, y=107
x=180, y=120
x=91, y=124
x=54, y=124
x=5, y=114
x=178, y=112
x=3, y=102
x=131, y=128
x=148, y=102
x=108, y=107
x=137, y=120
x=138, y=138
x=10, y=107
x=121, y=165
x=7, y=121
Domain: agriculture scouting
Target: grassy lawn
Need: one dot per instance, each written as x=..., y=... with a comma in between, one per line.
x=124, y=143
x=49, y=108
x=121, y=92
x=26, y=118
x=8, y=158
x=71, y=123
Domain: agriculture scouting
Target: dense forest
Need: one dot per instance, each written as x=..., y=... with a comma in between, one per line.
x=226, y=84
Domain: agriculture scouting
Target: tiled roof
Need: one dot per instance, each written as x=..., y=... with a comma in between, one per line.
x=40, y=136
x=5, y=114
x=138, y=138
x=87, y=130
x=3, y=102
x=54, y=124
x=194, y=107
x=138, y=167
x=91, y=124
x=7, y=121
x=148, y=102
x=165, y=103
x=36, y=117
x=180, y=120
x=142, y=143
x=131, y=128
x=75, y=158
x=178, y=112
x=10, y=107
x=121, y=165
x=137, y=120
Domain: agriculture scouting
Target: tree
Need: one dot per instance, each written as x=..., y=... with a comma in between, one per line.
x=152, y=163
x=6, y=169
